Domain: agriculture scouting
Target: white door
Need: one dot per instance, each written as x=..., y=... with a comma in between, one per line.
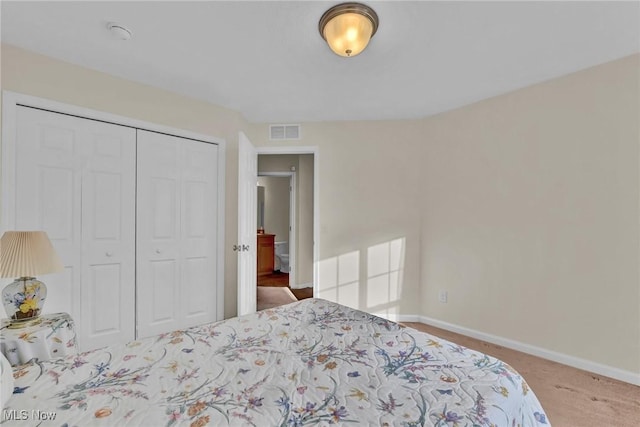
x=198, y=219
x=247, y=225
x=75, y=179
x=108, y=235
x=177, y=233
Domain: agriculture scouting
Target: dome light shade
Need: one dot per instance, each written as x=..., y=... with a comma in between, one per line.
x=348, y=27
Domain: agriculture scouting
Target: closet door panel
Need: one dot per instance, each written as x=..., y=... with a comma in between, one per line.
x=195, y=280
x=198, y=219
x=75, y=179
x=47, y=196
x=100, y=294
x=160, y=295
x=164, y=201
x=177, y=217
x=108, y=235
x=55, y=202
x=158, y=233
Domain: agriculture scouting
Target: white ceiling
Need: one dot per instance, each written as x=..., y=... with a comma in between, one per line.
x=268, y=61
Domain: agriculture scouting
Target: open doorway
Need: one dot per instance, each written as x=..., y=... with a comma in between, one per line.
x=285, y=223
x=245, y=246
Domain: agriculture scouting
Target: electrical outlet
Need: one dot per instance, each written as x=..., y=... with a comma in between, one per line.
x=442, y=296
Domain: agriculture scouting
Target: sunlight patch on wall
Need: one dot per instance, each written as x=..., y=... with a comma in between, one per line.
x=340, y=279
x=381, y=293
x=385, y=267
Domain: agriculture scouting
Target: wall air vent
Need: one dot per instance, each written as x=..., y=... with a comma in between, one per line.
x=283, y=132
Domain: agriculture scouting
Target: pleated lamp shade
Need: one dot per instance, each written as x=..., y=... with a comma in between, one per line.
x=27, y=254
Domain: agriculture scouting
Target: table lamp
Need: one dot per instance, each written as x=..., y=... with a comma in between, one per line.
x=25, y=254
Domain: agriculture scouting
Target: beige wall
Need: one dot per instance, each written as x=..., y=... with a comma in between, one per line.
x=32, y=74
x=530, y=215
x=276, y=203
x=305, y=220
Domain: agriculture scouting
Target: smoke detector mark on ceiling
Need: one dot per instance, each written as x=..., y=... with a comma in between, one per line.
x=119, y=31
x=284, y=132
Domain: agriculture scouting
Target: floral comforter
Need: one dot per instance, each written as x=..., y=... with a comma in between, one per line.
x=308, y=363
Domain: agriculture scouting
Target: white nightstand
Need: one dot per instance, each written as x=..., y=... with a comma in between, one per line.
x=54, y=336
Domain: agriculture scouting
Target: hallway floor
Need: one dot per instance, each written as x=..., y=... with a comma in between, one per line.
x=282, y=280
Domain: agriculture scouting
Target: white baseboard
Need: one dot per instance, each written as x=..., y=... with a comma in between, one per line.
x=565, y=359
x=398, y=317
x=576, y=362
x=301, y=286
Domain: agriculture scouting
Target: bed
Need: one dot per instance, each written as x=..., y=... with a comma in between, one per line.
x=312, y=362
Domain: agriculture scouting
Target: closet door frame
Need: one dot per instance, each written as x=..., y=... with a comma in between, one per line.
x=10, y=102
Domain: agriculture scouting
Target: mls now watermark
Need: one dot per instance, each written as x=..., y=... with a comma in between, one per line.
x=24, y=415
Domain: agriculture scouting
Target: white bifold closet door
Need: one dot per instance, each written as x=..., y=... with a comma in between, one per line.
x=176, y=232
x=75, y=179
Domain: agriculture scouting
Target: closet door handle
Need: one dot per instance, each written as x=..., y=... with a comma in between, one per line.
x=109, y=254
x=158, y=251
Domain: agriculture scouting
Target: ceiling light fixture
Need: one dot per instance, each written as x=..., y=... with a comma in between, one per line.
x=348, y=27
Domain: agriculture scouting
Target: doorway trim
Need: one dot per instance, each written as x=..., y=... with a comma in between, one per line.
x=316, y=199
x=293, y=230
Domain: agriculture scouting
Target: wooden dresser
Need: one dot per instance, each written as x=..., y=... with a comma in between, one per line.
x=266, y=253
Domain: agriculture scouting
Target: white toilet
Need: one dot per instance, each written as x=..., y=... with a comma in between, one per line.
x=282, y=256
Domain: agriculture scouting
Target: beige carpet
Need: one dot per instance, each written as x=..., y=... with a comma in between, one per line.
x=269, y=297
x=569, y=396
